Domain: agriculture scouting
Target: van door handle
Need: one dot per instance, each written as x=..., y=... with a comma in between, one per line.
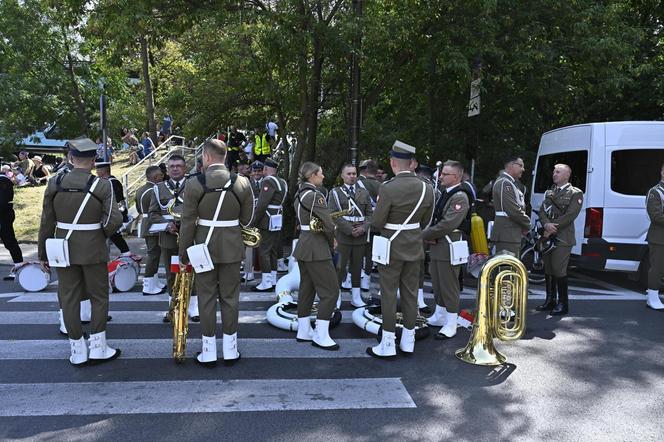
x=591, y=170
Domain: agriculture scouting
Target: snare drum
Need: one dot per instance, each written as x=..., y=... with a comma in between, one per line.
x=123, y=273
x=33, y=277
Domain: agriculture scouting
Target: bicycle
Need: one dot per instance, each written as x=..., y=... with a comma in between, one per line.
x=531, y=257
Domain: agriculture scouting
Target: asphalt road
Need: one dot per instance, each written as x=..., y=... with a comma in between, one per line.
x=595, y=374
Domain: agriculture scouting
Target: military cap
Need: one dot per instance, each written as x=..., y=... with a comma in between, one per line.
x=257, y=165
x=82, y=147
x=402, y=150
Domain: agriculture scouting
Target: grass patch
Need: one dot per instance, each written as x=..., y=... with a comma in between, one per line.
x=28, y=203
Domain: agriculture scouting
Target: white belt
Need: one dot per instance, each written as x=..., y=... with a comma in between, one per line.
x=274, y=206
x=411, y=226
x=355, y=219
x=305, y=228
x=225, y=223
x=68, y=226
x=500, y=213
x=168, y=217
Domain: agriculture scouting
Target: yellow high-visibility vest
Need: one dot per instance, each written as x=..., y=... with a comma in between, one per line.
x=261, y=146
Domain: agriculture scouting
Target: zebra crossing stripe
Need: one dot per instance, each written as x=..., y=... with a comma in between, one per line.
x=260, y=348
x=132, y=297
x=201, y=396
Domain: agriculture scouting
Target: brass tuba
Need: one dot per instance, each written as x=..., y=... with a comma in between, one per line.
x=316, y=225
x=251, y=236
x=502, y=293
x=178, y=311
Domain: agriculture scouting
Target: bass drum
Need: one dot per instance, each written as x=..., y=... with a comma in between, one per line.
x=32, y=276
x=284, y=316
x=370, y=319
x=123, y=273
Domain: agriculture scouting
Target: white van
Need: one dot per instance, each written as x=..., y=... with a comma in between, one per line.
x=614, y=164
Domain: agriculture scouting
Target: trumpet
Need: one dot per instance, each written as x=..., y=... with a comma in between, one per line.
x=178, y=311
x=251, y=236
x=316, y=225
x=502, y=293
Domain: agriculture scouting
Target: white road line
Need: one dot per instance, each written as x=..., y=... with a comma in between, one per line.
x=42, y=349
x=132, y=297
x=202, y=396
x=133, y=317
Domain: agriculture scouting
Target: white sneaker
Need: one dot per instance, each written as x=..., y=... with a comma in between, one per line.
x=385, y=349
x=99, y=350
x=346, y=284
x=63, y=328
x=248, y=276
x=208, y=354
x=450, y=328
x=265, y=284
x=231, y=355
x=365, y=282
x=653, y=300
x=86, y=311
x=158, y=282
x=322, y=338
x=356, y=299
x=150, y=287
x=407, y=344
x=304, y=331
x=79, y=351
x=438, y=317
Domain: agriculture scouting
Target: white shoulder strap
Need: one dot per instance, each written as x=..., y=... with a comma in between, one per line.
x=216, y=211
x=82, y=206
x=299, y=218
x=419, y=203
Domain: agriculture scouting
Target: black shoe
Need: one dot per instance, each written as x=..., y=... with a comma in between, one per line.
x=208, y=364
x=195, y=319
x=101, y=361
x=549, y=304
x=563, y=298
x=231, y=362
x=560, y=309
x=10, y=277
x=167, y=318
x=371, y=353
x=256, y=289
x=550, y=301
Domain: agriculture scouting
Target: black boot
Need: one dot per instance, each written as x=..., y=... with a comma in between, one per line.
x=550, y=301
x=562, y=307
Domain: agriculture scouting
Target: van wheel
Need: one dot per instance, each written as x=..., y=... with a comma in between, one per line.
x=534, y=265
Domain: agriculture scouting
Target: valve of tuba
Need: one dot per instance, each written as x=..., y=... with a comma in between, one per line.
x=251, y=236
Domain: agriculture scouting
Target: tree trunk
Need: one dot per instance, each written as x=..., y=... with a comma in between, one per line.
x=149, y=97
x=76, y=91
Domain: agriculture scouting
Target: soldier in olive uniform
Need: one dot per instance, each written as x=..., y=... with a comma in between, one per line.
x=425, y=173
x=367, y=180
x=81, y=208
x=655, y=238
x=269, y=208
x=151, y=283
x=222, y=201
x=352, y=229
x=313, y=253
x=561, y=205
x=169, y=195
x=451, y=210
x=404, y=208
x=249, y=254
x=510, y=205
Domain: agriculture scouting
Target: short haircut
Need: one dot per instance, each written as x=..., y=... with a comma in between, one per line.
x=569, y=169
x=455, y=165
x=215, y=148
x=151, y=170
x=511, y=159
x=177, y=157
x=348, y=165
x=371, y=167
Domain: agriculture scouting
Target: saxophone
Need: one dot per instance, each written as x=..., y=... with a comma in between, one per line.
x=178, y=311
x=316, y=225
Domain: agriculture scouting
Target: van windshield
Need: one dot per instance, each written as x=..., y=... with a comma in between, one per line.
x=577, y=160
x=635, y=171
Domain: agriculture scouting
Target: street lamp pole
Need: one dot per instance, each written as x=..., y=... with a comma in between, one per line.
x=356, y=115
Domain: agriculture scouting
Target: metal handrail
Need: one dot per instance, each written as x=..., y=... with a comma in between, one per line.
x=150, y=156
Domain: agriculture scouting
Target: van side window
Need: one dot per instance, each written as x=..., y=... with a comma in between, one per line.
x=577, y=160
x=635, y=171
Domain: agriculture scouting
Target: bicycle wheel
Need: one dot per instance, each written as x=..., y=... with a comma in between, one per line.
x=533, y=263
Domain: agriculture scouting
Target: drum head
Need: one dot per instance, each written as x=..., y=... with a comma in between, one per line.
x=124, y=278
x=33, y=278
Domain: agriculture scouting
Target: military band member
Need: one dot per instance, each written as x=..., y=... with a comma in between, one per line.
x=168, y=197
x=561, y=206
x=655, y=238
x=450, y=212
x=222, y=201
x=314, y=259
x=352, y=230
x=151, y=283
x=269, y=209
x=425, y=173
x=81, y=208
x=367, y=180
x=404, y=208
x=255, y=182
x=103, y=170
x=510, y=205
